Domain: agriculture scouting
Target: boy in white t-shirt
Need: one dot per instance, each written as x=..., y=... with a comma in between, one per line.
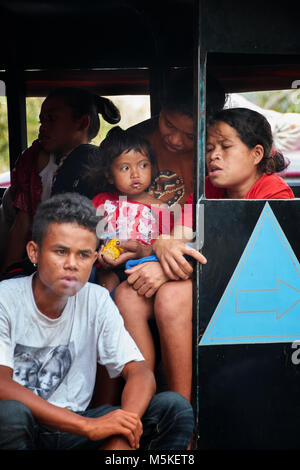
x=54, y=328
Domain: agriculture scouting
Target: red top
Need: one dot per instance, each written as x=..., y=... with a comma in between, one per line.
x=269, y=186
x=126, y=219
x=26, y=182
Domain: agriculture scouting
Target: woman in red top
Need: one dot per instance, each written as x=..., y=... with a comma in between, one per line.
x=240, y=161
x=239, y=158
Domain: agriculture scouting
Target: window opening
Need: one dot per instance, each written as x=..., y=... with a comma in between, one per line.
x=282, y=109
x=4, y=150
x=133, y=109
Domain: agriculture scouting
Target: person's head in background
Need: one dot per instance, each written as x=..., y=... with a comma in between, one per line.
x=239, y=150
x=70, y=116
x=176, y=122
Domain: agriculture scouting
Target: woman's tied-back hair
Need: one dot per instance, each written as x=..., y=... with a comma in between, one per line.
x=83, y=102
x=253, y=129
x=115, y=143
x=64, y=208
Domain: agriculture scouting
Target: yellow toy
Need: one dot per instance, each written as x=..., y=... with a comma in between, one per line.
x=111, y=249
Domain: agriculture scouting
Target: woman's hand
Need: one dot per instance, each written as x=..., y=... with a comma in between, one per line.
x=133, y=249
x=170, y=253
x=146, y=278
x=136, y=248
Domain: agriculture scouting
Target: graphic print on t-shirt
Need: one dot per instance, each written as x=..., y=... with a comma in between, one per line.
x=168, y=187
x=41, y=370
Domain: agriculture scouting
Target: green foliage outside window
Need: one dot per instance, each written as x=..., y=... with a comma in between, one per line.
x=283, y=101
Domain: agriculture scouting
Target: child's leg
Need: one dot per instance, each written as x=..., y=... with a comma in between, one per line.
x=173, y=315
x=136, y=311
x=108, y=279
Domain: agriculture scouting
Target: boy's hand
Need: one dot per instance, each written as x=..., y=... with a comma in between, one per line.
x=116, y=423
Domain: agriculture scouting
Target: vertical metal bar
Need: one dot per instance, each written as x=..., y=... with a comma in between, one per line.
x=16, y=113
x=156, y=76
x=199, y=179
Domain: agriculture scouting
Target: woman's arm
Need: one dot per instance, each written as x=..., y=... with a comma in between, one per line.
x=133, y=249
x=146, y=278
x=18, y=238
x=170, y=253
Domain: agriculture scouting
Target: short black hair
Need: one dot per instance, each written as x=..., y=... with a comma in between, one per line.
x=116, y=142
x=64, y=208
x=253, y=129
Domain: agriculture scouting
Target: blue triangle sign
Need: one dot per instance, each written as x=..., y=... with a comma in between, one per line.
x=261, y=303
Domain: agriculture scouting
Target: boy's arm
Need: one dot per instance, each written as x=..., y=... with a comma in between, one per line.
x=140, y=386
x=118, y=422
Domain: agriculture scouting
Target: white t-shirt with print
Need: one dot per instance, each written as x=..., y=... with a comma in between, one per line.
x=57, y=358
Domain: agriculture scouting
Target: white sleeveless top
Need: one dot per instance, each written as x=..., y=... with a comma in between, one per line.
x=47, y=177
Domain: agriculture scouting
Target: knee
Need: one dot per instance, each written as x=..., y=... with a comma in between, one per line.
x=17, y=426
x=174, y=303
x=130, y=303
x=14, y=412
x=174, y=401
x=124, y=294
x=177, y=407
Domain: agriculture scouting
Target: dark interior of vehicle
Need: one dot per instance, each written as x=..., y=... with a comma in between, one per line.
x=128, y=47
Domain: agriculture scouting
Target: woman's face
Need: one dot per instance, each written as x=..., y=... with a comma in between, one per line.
x=59, y=131
x=177, y=131
x=230, y=163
